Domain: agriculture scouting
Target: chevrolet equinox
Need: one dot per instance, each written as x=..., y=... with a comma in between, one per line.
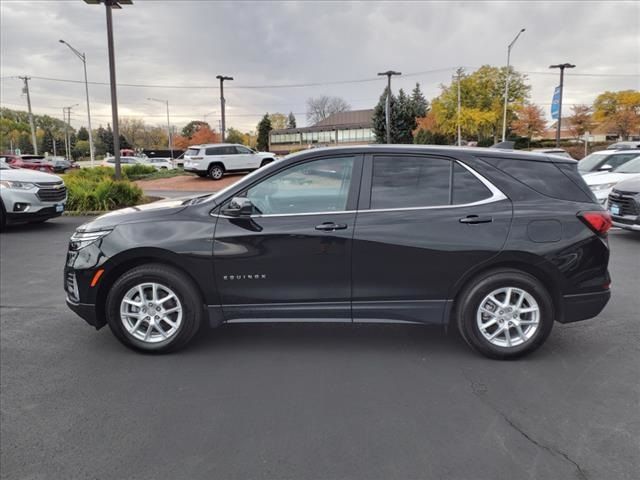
x=496, y=243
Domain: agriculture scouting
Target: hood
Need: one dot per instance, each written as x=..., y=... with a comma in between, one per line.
x=26, y=175
x=154, y=211
x=607, y=177
x=630, y=185
x=266, y=154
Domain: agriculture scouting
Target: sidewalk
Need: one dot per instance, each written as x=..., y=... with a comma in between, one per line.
x=188, y=183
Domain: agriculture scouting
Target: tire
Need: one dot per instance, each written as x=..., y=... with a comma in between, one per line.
x=168, y=280
x=216, y=171
x=266, y=161
x=534, y=317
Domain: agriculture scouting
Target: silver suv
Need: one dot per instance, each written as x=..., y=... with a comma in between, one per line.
x=29, y=196
x=216, y=159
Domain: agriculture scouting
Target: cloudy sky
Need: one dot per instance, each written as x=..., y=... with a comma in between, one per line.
x=173, y=49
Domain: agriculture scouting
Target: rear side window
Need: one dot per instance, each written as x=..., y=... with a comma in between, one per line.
x=214, y=151
x=192, y=152
x=546, y=178
x=404, y=182
x=466, y=187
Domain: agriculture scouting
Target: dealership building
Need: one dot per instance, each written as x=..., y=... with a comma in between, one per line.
x=354, y=127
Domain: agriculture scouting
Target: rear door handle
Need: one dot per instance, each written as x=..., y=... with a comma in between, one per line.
x=473, y=219
x=330, y=226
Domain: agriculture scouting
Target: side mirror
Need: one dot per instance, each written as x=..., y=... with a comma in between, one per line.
x=239, y=207
x=605, y=168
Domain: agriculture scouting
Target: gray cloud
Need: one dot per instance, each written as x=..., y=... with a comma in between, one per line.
x=268, y=43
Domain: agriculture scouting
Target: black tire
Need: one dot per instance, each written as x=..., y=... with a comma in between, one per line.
x=179, y=283
x=215, y=171
x=266, y=161
x=468, y=304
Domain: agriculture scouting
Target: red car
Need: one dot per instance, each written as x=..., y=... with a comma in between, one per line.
x=33, y=162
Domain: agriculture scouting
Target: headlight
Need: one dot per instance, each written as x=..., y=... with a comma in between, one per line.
x=602, y=186
x=84, y=239
x=16, y=185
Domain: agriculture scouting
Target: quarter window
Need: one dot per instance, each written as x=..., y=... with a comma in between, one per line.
x=404, y=182
x=316, y=186
x=466, y=187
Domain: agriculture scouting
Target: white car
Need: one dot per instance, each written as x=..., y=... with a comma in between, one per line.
x=29, y=196
x=605, y=160
x=111, y=161
x=216, y=159
x=601, y=183
x=161, y=163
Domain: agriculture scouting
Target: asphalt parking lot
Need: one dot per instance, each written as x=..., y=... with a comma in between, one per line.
x=308, y=401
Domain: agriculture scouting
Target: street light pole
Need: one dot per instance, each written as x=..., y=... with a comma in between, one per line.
x=170, y=142
x=109, y=5
x=222, y=78
x=83, y=58
x=506, y=86
x=387, y=107
x=561, y=66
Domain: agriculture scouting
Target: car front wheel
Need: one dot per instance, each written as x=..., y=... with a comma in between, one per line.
x=505, y=314
x=154, y=308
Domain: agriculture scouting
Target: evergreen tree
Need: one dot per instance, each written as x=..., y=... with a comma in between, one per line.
x=379, y=118
x=264, y=127
x=47, y=141
x=83, y=134
x=24, y=143
x=420, y=104
x=405, y=119
x=124, y=143
x=291, y=120
x=106, y=137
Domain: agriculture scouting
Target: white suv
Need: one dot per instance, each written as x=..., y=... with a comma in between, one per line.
x=216, y=159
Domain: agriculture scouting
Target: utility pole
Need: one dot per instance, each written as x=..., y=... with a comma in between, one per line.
x=506, y=86
x=561, y=66
x=31, y=122
x=387, y=107
x=222, y=78
x=458, y=75
x=66, y=113
x=170, y=142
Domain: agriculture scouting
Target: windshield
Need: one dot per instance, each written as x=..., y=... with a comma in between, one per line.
x=632, y=166
x=590, y=162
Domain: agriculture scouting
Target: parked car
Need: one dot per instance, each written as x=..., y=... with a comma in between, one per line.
x=160, y=163
x=61, y=164
x=32, y=162
x=601, y=183
x=497, y=244
x=214, y=160
x=605, y=160
x=553, y=151
x=624, y=204
x=624, y=146
x=28, y=196
x=111, y=161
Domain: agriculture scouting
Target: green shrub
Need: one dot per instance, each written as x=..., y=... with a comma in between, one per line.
x=138, y=170
x=94, y=189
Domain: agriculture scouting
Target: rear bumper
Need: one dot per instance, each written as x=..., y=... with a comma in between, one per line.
x=583, y=306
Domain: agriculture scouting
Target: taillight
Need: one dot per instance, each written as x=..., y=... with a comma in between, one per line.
x=598, y=221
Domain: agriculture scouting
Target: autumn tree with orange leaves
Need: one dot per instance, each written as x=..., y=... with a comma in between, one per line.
x=202, y=134
x=529, y=121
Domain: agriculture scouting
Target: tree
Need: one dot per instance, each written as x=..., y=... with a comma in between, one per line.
x=619, y=111
x=380, y=121
x=83, y=134
x=202, y=135
x=278, y=121
x=192, y=127
x=580, y=121
x=291, y=121
x=319, y=108
x=124, y=143
x=264, y=127
x=419, y=103
x=235, y=136
x=529, y=122
x=402, y=118
x=48, y=141
x=81, y=149
x=24, y=143
x=105, y=136
x=133, y=130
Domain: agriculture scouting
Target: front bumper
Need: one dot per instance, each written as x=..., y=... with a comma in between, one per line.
x=43, y=213
x=87, y=312
x=25, y=206
x=584, y=306
x=628, y=222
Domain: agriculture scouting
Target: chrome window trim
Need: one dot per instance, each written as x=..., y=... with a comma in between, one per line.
x=496, y=196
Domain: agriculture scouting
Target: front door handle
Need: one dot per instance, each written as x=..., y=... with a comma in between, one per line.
x=330, y=226
x=474, y=219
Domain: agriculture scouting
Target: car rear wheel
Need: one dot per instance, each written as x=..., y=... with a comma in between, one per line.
x=216, y=172
x=505, y=314
x=154, y=308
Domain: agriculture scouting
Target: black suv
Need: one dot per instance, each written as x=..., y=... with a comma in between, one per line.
x=497, y=243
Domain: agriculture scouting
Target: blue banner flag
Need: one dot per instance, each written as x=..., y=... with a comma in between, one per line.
x=555, y=103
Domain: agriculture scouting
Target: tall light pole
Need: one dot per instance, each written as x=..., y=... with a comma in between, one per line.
x=166, y=102
x=506, y=85
x=561, y=66
x=83, y=58
x=109, y=5
x=222, y=78
x=387, y=107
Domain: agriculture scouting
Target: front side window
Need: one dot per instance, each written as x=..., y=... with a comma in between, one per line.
x=405, y=182
x=317, y=186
